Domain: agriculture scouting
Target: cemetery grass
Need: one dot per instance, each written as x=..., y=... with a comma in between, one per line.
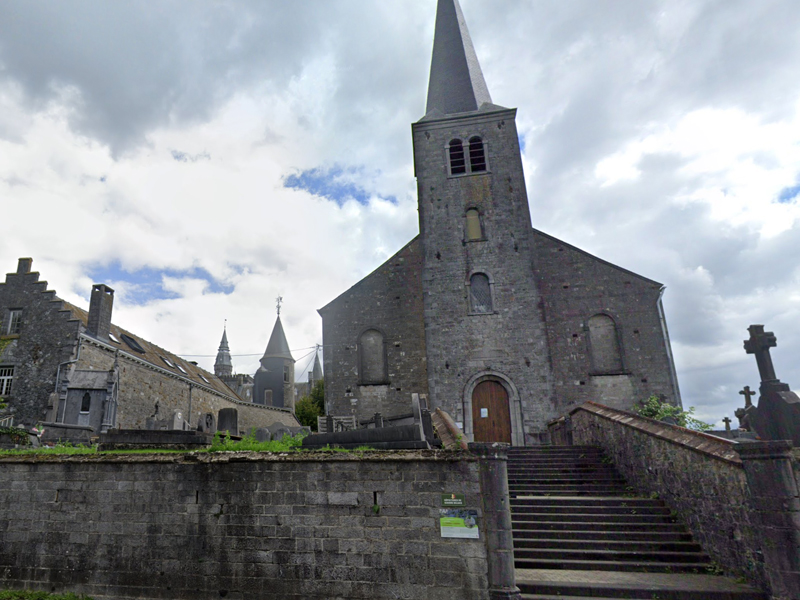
x=220, y=444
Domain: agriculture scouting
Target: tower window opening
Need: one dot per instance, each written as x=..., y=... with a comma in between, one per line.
x=458, y=163
x=480, y=294
x=474, y=229
x=86, y=402
x=477, y=155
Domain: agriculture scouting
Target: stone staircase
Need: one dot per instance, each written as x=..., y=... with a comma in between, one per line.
x=579, y=532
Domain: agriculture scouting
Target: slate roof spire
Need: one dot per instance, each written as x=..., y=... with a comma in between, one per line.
x=223, y=366
x=277, y=347
x=456, y=84
x=316, y=371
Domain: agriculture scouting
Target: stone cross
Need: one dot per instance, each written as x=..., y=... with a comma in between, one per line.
x=747, y=393
x=727, y=422
x=759, y=344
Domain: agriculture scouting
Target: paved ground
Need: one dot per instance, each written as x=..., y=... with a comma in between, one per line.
x=614, y=579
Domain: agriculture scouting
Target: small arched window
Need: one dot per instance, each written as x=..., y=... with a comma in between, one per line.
x=604, y=341
x=372, y=358
x=477, y=155
x=458, y=163
x=86, y=402
x=480, y=293
x=474, y=228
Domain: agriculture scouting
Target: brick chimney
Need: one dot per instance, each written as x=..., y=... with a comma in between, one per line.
x=24, y=266
x=100, y=312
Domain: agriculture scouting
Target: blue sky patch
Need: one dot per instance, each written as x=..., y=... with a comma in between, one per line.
x=335, y=183
x=788, y=194
x=521, y=139
x=184, y=157
x=146, y=285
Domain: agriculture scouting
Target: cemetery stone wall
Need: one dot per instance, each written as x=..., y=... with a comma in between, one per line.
x=241, y=525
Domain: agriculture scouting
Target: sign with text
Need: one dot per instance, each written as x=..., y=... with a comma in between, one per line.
x=454, y=500
x=459, y=523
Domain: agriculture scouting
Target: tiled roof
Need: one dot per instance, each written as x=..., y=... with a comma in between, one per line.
x=156, y=356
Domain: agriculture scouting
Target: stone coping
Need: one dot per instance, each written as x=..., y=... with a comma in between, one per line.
x=698, y=441
x=248, y=456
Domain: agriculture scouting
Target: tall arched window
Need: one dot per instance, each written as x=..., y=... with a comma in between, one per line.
x=86, y=402
x=604, y=341
x=372, y=358
x=480, y=293
x=458, y=163
x=477, y=155
x=474, y=228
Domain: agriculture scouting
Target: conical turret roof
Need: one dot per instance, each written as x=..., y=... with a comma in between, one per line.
x=223, y=365
x=277, y=347
x=316, y=371
x=456, y=83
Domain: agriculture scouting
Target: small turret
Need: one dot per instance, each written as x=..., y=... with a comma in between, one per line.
x=274, y=380
x=223, y=366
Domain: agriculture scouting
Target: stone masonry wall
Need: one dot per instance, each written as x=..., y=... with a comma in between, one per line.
x=142, y=386
x=508, y=344
x=575, y=286
x=46, y=339
x=389, y=300
x=240, y=526
x=698, y=475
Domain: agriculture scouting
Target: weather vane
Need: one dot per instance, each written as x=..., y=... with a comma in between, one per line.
x=278, y=302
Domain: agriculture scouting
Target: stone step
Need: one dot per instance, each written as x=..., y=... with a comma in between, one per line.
x=622, y=534
x=600, y=501
x=578, y=468
x=588, y=489
x=522, y=524
x=541, y=584
x=612, y=565
x=591, y=518
x=605, y=544
x=570, y=508
x=564, y=477
x=603, y=555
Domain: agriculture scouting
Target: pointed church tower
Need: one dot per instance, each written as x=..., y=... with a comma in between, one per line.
x=487, y=354
x=223, y=366
x=274, y=380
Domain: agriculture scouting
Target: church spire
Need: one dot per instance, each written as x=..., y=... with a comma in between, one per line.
x=456, y=84
x=223, y=367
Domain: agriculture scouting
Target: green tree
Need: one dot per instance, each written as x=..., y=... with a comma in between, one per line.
x=308, y=408
x=655, y=408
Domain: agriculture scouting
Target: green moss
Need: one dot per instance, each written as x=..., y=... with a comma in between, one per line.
x=33, y=595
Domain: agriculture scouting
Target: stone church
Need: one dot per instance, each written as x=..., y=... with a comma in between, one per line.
x=502, y=325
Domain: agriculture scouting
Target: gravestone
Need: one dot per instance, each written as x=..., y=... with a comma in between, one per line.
x=263, y=435
x=206, y=423
x=278, y=430
x=777, y=416
x=177, y=421
x=228, y=420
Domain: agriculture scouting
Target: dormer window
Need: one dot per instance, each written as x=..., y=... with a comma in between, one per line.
x=458, y=163
x=477, y=155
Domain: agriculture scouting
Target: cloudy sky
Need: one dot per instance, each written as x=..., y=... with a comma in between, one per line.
x=204, y=157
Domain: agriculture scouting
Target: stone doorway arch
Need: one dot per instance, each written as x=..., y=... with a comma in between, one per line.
x=514, y=405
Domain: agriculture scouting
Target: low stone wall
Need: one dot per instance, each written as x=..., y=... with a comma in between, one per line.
x=245, y=525
x=699, y=476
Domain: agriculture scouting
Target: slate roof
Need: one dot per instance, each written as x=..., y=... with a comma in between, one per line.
x=155, y=355
x=278, y=347
x=224, y=353
x=456, y=82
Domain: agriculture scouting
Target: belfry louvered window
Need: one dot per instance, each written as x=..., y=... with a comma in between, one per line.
x=477, y=155
x=480, y=293
x=458, y=163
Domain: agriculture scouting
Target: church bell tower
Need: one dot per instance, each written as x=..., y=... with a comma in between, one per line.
x=488, y=362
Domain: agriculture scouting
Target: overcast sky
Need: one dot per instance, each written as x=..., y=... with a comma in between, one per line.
x=204, y=157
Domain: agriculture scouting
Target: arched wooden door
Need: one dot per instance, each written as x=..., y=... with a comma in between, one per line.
x=491, y=419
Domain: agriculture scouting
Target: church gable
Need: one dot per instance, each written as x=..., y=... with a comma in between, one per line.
x=374, y=339
x=605, y=328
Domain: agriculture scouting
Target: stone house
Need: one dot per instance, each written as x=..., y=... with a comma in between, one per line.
x=500, y=324
x=62, y=364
